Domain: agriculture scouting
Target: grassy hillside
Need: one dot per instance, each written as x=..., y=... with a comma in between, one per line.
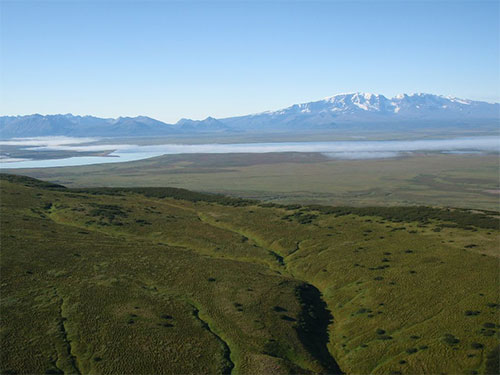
x=170, y=281
x=468, y=181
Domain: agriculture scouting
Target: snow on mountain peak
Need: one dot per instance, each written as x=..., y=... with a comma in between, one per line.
x=358, y=103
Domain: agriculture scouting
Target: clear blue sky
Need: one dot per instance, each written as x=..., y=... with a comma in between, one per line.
x=191, y=59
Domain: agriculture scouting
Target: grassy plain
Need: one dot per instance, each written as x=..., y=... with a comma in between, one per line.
x=167, y=281
x=469, y=181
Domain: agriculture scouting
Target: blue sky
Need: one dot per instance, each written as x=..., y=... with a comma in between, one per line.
x=173, y=59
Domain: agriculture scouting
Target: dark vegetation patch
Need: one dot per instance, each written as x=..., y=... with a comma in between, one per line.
x=450, y=339
x=476, y=345
x=142, y=222
x=275, y=349
x=107, y=211
x=460, y=218
x=300, y=217
x=470, y=246
x=493, y=361
x=279, y=309
x=54, y=371
x=488, y=332
x=385, y=337
x=30, y=182
x=169, y=192
x=472, y=313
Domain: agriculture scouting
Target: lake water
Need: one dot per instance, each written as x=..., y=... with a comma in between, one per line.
x=335, y=150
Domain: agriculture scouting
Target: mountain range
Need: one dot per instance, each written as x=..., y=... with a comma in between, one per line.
x=342, y=111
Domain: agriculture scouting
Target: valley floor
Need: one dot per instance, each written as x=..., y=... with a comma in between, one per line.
x=468, y=181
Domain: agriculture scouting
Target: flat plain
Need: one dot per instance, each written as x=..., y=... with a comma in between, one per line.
x=164, y=280
x=467, y=181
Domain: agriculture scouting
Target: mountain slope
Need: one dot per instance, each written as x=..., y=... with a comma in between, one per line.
x=365, y=108
x=79, y=126
x=355, y=110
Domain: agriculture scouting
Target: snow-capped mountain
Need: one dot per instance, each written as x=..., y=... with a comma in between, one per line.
x=360, y=111
x=367, y=108
x=403, y=104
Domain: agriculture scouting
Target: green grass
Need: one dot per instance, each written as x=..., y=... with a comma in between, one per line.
x=169, y=281
x=467, y=181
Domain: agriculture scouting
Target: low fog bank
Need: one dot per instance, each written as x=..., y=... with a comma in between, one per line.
x=356, y=149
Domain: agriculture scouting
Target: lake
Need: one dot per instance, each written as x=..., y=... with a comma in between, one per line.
x=350, y=150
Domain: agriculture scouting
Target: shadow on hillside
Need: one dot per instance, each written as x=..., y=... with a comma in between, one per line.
x=312, y=327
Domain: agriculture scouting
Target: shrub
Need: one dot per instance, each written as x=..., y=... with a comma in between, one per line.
x=450, y=339
x=385, y=337
x=488, y=333
x=279, y=309
x=472, y=313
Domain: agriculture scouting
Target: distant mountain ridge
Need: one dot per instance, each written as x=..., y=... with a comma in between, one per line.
x=358, y=110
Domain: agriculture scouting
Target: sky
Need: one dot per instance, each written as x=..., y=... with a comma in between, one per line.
x=186, y=59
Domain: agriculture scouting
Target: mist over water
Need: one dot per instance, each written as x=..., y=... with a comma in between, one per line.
x=347, y=150
x=359, y=155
